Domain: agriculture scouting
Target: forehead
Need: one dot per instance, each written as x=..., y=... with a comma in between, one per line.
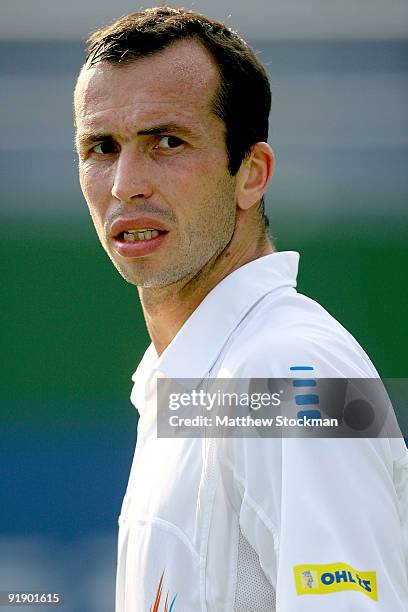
x=181, y=79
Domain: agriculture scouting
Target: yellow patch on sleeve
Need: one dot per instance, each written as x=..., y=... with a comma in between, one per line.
x=332, y=578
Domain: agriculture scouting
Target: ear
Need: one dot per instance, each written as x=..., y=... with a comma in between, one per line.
x=254, y=175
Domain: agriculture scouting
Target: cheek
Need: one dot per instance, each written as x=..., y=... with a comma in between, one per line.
x=192, y=182
x=96, y=188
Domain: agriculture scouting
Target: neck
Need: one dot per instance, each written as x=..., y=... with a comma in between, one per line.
x=166, y=309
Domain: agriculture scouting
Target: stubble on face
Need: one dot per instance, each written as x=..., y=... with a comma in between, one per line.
x=191, y=192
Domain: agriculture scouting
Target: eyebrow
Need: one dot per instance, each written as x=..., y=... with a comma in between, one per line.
x=87, y=139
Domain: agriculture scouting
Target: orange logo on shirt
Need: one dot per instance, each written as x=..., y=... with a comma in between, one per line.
x=155, y=607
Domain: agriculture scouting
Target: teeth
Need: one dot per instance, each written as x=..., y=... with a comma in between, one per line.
x=144, y=234
x=135, y=231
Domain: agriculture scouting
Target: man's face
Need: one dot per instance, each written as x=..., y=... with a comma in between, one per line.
x=152, y=156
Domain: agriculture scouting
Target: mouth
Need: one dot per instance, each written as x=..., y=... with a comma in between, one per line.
x=138, y=242
x=140, y=236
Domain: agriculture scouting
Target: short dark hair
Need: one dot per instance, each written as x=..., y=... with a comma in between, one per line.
x=243, y=98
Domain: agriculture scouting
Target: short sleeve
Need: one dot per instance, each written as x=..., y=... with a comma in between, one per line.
x=325, y=516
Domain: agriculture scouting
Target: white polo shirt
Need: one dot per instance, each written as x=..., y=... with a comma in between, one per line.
x=261, y=524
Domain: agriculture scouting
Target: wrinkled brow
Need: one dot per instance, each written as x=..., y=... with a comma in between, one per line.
x=86, y=139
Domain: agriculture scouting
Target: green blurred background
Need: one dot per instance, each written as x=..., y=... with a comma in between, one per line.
x=75, y=329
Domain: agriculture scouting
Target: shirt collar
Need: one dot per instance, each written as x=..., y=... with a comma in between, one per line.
x=198, y=343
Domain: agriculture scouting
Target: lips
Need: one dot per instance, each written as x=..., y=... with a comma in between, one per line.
x=120, y=226
x=138, y=236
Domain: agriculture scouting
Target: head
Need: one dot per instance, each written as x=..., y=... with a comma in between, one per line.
x=171, y=110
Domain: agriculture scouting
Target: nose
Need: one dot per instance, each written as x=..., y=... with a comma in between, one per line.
x=131, y=181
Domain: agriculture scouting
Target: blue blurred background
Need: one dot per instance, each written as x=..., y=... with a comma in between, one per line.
x=73, y=330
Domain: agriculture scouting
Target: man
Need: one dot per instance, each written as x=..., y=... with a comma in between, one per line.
x=171, y=112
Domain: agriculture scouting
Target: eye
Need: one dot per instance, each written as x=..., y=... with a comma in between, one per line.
x=106, y=147
x=170, y=142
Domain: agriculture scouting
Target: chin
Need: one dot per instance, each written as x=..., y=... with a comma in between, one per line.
x=144, y=280
x=143, y=274
x=159, y=280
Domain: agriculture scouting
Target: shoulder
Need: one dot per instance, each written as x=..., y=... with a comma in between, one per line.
x=291, y=330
